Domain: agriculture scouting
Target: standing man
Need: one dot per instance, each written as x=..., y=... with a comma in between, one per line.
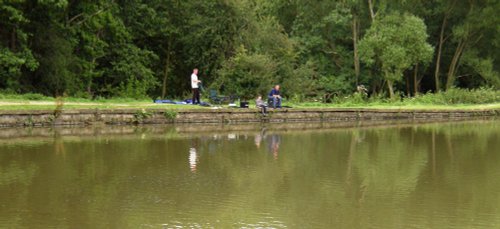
x=195, y=87
x=275, y=97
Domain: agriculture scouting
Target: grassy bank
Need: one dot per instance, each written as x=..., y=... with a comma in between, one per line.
x=451, y=99
x=68, y=105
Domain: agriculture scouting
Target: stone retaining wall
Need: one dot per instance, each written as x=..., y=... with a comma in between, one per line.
x=20, y=135
x=162, y=116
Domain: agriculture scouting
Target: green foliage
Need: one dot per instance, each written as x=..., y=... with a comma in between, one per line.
x=27, y=96
x=133, y=74
x=34, y=96
x=15, y=55
x=146, y=49
x=56, y=71
x=322, y=34
x=454, y=96
x=484, y=67
x=458, y=96
x=395, y=43
x=170, y=115
x=141, y=115
x=29, y=121
x=301, y=83
x=247, y=75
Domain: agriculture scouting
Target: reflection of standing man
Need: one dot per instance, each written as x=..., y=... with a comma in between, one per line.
x=195, y=86
x=193, y=159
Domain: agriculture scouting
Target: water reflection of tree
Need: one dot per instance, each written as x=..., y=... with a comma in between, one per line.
x=59, y=144
x=336, y=178
x=388, y=164
x=466, y=164
x=16, y=175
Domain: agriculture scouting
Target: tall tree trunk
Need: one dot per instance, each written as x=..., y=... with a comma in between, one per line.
x=438, y=58
x=372, y=12
x=355, y=35
x=390, y=85
x=165, y=75
x=442, y=40
x=89, y=82
x=376, y=84
x=450, y=79
x=408, y=91
x=416, y=82
x=391, y=89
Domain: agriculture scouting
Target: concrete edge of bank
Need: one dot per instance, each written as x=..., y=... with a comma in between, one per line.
x=251, y=115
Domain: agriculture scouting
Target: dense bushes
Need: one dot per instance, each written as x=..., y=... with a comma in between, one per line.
x=454, y=96
x=28, y=96
x=457, y=96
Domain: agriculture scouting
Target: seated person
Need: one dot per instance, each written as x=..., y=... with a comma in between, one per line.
x=260, y=104
x=274, y=97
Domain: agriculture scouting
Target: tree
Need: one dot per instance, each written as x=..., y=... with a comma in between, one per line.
x=87, y=22
x=246, y=74
x=447, y=10
x=475, y=32
x=265, y=56
x=395, y=43
x=15, y=55
x=109, y=59
x=144, y=48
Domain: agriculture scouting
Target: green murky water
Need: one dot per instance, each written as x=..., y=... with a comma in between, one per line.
x=396, y=176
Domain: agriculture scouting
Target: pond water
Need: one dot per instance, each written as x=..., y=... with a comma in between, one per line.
x=442, y=175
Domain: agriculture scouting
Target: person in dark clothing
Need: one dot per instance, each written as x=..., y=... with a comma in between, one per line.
x=275, y=97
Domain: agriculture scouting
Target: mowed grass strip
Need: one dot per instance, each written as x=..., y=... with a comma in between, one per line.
x=114, y=104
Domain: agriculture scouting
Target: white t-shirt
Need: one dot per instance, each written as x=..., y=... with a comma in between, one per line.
x=194, y=81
